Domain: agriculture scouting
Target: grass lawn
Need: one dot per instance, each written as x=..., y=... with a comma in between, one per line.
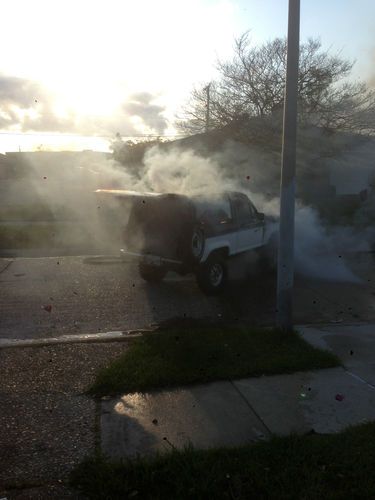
x=336, y=466
x=184, y=356
x=42, y=234
x=28, y=236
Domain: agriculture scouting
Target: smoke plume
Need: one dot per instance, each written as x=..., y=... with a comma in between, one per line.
x=319, y=248
x=67, y=187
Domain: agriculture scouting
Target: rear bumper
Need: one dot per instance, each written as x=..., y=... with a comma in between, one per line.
x=154, y=260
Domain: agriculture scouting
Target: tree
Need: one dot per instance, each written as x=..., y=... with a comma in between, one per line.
x=252, y=85
x=131, y=153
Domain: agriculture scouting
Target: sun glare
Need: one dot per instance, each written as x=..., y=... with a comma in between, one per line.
x=89, y=58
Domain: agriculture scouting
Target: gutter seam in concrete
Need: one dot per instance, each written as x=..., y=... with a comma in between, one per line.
x=250, y=407
x=4, y=269
x=359, y=378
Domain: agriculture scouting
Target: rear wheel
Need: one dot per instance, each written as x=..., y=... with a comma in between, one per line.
x=212, y=276
x=197, y=243
x=152, y=274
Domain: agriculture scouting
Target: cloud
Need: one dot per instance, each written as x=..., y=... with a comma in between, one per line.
x=26, y=105
x=140, y=104
x=19, y=91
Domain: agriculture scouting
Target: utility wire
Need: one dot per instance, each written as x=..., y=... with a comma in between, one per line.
x=46, y=134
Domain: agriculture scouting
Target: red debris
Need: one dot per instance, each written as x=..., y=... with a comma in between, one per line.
x=47, y=308
x=339, y=397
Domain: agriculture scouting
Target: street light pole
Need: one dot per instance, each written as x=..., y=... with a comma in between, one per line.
x=285, y=272
x=208, y=107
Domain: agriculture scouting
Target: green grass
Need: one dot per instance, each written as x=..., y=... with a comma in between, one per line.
x=177, y=357
x=34, y=212
x=336, y=466
x=29, y=212
x=48, y=234
x=28, y=236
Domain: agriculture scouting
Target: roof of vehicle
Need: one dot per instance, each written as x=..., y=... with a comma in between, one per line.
x=125, y=192
x=128, y=193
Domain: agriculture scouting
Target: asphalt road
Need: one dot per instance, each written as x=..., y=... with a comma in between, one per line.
x=91, y=294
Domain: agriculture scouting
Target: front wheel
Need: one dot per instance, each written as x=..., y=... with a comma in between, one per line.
x=152, y=274
x=212, y=276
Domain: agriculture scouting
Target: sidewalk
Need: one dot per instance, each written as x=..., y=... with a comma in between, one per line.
x=48, y=423
x=233, y=413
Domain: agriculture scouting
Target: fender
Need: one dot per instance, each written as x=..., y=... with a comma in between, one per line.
x=219, y=242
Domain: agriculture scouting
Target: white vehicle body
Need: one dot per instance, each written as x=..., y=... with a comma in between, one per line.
x=246, y=231
x=192, y=234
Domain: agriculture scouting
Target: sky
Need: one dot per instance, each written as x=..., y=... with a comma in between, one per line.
x=73, y=73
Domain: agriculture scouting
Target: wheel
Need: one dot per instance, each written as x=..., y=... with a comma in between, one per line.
x=267, y=260
x=212, y=276
x=197, y=243
x=191, y=246
x=271, y=251
x=152, y=274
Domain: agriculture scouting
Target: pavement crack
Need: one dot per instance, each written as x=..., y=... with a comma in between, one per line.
x=6, y=266
x=250, y=407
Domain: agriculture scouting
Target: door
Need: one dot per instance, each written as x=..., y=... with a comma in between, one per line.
x=250, y=225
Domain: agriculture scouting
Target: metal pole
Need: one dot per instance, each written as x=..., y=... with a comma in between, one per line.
x=285, y=272
x=208, y=107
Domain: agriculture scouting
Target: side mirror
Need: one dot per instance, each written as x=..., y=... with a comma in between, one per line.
x=261, y=216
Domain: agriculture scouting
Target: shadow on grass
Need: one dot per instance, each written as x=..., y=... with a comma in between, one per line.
x=190, y=355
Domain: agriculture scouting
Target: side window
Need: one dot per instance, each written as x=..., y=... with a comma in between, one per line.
x=244, y=210
x=214, y=210
x=254, y=211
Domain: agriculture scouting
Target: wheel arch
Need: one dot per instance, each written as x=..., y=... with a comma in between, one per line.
x=222, y=252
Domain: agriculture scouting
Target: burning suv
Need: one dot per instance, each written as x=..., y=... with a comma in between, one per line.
x=191, y=234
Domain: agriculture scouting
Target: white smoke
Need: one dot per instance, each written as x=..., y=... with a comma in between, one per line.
x=185, y=172
x=319, y=249
x=320, y=253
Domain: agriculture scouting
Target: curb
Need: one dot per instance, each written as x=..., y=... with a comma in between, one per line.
x=119, y=336
x=114, y=336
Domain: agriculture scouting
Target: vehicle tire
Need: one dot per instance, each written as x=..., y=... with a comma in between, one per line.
x=151, y=274
x=271, y=251
x=197, y=243
x=212, y=275
x=265, y=263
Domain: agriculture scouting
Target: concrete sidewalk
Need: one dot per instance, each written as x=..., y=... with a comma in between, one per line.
x=231, y=413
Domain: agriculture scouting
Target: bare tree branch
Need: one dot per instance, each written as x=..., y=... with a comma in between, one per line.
x=252, y=84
